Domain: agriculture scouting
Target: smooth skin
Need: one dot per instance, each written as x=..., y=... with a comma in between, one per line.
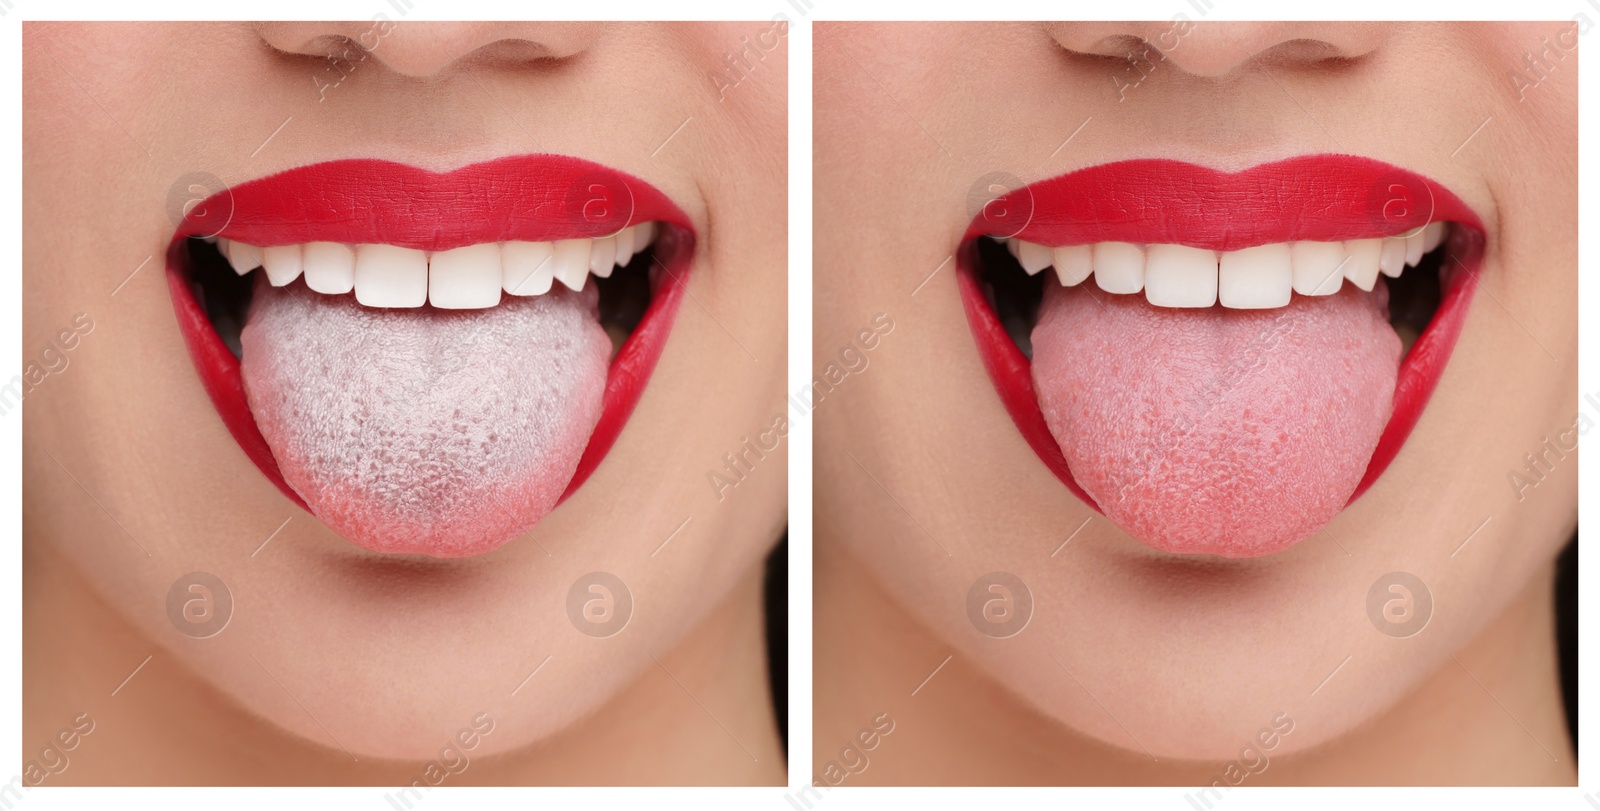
x=340, y=666
x=1140, y=667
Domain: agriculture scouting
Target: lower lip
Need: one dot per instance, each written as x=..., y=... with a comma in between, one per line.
x=264, y=213
x=1072, y=221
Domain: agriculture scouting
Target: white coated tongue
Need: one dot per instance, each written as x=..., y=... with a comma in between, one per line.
x=439, y=432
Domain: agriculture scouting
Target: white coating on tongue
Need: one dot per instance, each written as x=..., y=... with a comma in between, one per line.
x=1216, y=431
x=440, y=432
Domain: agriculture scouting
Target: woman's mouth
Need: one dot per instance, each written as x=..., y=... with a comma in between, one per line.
x=430, y=362
x=1220, y=362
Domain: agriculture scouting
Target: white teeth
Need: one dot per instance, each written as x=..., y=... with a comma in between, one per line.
x=571, y=262
x=1392, y=259
x=469, y=277
x=283, y=263
x=526, y=267
x=625, y=244
x=1118, y=267
x=1318, y=267
x=330, y=267
x=1432, y=236
x=1073, y=263
x=1256, y=278
x=391, y=276
x=603, y=256
x=1180, y=276
x=1414, y=249
x=1033, y=257
x=1362, y=268
x=466, y=278
x=243, y=258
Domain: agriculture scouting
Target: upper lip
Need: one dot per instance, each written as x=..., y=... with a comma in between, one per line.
x=1311, y=197
x=521, y=197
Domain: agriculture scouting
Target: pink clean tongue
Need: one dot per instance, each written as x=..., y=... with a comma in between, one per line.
x=1216, y=431
x=440, y=432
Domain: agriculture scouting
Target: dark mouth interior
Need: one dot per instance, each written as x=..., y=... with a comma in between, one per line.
x=1015, y=296
x=225, y=295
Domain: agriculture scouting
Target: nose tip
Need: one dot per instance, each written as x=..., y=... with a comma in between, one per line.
x=1214, y=50
x=425, y=50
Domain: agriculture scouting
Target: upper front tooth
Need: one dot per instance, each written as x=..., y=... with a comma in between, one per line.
x=1432, y=236
x=1318, y=267
x=1073, y=263
x=1256, y=278
x=1414, y=249
x=1392, y=259
x=625, y=244
x=1118, y=267
x=465, y=278
x=527, y=267
x=391, y=276
x=1032, y=256
x=330, y=267
x=1180, y=276
x=1362, y=267
x=603, y=256
x=282, y=262
x=571, y=262
x=243, y=258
